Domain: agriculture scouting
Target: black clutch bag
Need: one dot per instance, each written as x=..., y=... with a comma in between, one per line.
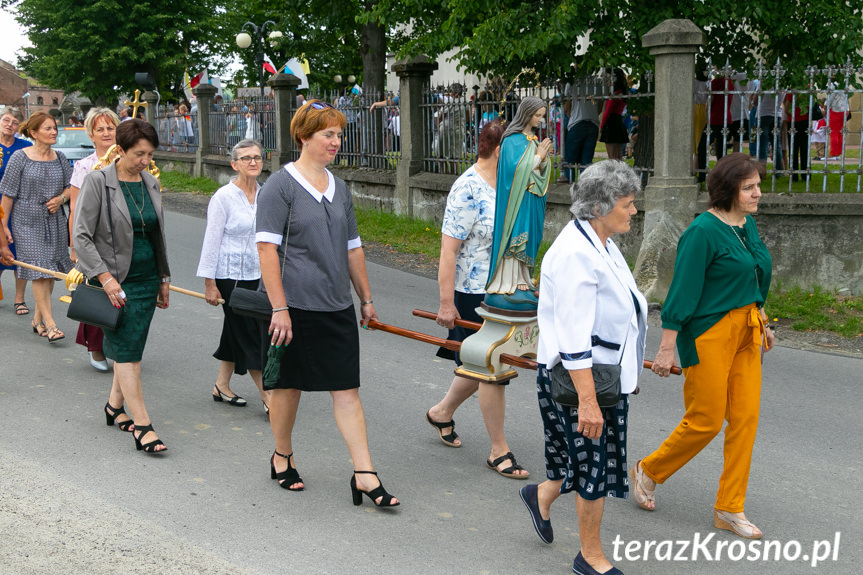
x=606, y=378
x=252, y=303
x=90, y=305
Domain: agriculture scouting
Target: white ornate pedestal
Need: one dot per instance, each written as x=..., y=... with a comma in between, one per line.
x=515, y=334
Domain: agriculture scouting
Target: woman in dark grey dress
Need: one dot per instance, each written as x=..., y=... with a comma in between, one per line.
x=313, y=312
x=35, y=187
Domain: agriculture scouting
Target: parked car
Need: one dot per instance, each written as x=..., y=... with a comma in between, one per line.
x=73, y=142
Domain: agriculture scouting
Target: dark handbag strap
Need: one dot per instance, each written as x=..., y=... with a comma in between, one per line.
x=634, y=301
x=287, y=234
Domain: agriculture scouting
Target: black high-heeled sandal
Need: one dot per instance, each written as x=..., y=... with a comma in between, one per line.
x=112, y=413
x=147, y=447
x=379, y=491
x=289, y=476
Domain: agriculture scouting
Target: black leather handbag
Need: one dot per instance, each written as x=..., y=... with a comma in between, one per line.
x=252, y=303
x=606, y=378
x=90, y=305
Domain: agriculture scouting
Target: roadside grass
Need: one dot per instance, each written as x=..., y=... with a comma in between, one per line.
x=399, y=232
x=816, y=310
x=801, y=310
x=180, y=182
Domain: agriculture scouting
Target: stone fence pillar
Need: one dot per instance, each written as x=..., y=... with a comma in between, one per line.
x=285, y=100
x=152, y=99
x=672, y=192
x=204, y=94
x=413, y=74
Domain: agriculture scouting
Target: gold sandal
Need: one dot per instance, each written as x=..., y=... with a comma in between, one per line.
x=54, y=334
x=644, y=497
x=739, y=525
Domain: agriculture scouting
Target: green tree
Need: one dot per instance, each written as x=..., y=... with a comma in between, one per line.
x=505, y=36
x=97, y=46
x=337, y=38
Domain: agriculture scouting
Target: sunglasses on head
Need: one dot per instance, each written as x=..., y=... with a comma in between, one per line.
x=320, y=105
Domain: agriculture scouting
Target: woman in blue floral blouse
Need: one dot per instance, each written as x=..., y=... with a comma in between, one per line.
x=466, y=238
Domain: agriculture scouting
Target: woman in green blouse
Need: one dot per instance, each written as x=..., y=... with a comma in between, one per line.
x=714, y=312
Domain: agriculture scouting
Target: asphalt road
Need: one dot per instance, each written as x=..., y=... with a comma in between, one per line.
x=76, y=498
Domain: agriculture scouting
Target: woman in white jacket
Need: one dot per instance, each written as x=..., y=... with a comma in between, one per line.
x=590, y=311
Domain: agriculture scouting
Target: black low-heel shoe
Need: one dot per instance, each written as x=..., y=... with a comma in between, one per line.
x=236, y=400
x=112, y=413
x=147, y=447
x=387, y=500
x=289, y=476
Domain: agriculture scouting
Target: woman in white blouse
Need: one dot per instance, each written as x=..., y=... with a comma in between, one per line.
x=229, y=259
x=590, y=310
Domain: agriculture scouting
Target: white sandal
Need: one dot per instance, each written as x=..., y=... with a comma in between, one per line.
x=642, y=494
x=740, y=526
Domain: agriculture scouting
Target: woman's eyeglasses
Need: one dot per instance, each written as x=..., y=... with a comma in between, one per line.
x=320, y=105
x=250, y=159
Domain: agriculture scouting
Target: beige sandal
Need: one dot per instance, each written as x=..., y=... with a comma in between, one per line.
x=643, y=496
x=739, y=525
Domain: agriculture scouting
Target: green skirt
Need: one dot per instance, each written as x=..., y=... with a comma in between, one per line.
x=126, y=343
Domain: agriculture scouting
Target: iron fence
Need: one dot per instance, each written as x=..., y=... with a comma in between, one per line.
x=780, y=125
x=248, y=118
x=177, y=131
x=453, y=118
x=372, y=134
x=595, y=99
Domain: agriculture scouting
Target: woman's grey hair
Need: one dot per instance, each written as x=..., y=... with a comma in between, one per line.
x=600, y=186
x=96, y=113
x=526, y=109
x=242, y=145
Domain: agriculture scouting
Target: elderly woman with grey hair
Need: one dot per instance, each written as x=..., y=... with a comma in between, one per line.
x=229, y=259
x=590, y=311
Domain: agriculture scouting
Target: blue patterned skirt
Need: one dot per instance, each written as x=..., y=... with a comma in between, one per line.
x=593, y=468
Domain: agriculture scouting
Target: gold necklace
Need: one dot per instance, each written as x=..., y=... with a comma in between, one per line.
x=126, y=187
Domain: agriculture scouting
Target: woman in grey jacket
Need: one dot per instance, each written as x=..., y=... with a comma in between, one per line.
x=120, y=240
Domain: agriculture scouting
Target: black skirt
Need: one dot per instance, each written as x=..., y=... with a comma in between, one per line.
x=324, y=354
x=241, y=337
x=614, y=131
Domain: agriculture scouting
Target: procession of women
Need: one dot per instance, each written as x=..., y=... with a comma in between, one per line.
x=294, y=244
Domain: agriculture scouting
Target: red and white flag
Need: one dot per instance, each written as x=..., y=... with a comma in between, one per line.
x=200, y=78
x=268, y=65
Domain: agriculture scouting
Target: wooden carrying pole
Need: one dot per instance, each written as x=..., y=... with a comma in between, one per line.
x=515, y=360
x=77, y=277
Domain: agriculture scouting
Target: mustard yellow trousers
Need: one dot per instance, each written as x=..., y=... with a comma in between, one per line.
x=724, y=385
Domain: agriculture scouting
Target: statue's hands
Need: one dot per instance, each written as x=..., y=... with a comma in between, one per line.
x=543, y=149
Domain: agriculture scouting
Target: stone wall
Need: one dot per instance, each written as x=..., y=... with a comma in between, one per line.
x=815, y=239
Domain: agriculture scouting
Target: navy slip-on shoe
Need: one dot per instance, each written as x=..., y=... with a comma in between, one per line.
x=582, y=567
x=542, y=526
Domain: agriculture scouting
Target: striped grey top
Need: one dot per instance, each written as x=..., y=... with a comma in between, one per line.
x=323, y=229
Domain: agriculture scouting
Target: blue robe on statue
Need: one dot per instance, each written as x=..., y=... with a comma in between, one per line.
x=520, y=206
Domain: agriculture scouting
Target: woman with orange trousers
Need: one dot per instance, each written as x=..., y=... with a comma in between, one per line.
x=714, y=313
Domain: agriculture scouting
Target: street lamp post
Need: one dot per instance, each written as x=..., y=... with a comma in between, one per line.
x=244, y=40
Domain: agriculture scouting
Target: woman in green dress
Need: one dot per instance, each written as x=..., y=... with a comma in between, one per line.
x=120, y=240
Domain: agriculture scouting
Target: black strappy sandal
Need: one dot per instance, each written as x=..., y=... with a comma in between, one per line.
x=449, y=438
x=112, y=413
x=147, y=447
x=289, y=476
x=379, y=491
x=507, y=471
